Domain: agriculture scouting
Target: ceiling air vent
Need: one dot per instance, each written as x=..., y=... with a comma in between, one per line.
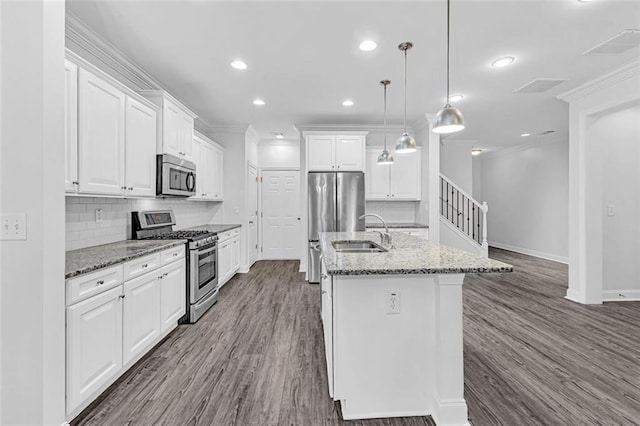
x=546, y=132
x=540, y=85
x=627, y=39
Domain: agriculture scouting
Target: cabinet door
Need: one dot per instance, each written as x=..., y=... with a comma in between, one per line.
x=198, y=160
x=171, y=134
x=173, y=296
x=235, y=255
x=141, y=314
x=224, y=262
x=94, y=345
x=321, y=153
x=101, y=110
x=377, y=177
x=349, y=153
x=186, y=136
x=217, y=174
x=405, y=177
x=140, y=142
x=70, y=127
x=207, y=175
x=327, y=323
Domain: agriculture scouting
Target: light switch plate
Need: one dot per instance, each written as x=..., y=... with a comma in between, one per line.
x=99, y=216
x=393, y=302
x=611, y=210
x=13, y=226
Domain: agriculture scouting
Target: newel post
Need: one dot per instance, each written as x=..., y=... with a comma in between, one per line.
x=485, y=243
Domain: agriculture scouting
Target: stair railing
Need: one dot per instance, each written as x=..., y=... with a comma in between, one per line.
x=463, y=212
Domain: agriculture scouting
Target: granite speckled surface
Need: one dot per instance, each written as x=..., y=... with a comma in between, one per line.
x=90, y=259
x=408, y=255
x=392, y=225
x=215, y=229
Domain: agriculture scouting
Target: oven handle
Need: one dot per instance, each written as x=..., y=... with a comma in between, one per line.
x=212, y=248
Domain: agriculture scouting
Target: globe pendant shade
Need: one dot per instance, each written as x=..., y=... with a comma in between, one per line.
x=448, y=120
x=405, y=144
x=385, y=158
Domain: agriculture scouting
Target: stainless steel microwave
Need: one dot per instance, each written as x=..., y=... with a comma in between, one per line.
x=175, y=177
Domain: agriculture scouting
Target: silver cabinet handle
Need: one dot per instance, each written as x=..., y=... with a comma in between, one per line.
x=165, y=274
x=123, y=187
x=145, y=265
x=175, y=254
x=324, y=277
x=160, y=277
x=121, y=296
x=323, y=292
x=75, y=182
x=130, y=188
x=100, y=282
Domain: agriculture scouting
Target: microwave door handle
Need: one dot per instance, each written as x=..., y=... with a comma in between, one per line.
x=191, y=187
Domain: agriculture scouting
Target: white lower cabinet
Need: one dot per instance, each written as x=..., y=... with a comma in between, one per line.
x=228, y=255
x=173, y=301
x=327, y=323
x=94, y=345
x=141, y=325
x=108, y=330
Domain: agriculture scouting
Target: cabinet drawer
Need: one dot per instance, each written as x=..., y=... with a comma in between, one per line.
x=227, y=235
x=172, y=254
x=141, y=266
x=87, y=285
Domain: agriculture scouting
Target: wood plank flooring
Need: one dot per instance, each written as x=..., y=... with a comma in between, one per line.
x=257, y=357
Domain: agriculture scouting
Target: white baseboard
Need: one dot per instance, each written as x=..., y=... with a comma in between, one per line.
x=534, y=253
x=621, y=296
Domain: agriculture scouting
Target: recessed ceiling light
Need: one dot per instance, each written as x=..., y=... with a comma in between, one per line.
x=368, y=45
x=348, y=102
x=258, y=102
x=584, y=1
x=476, y=151
x=455, y=98
x=503, y=62
x=279, y=135
x=239, y=65
x=524, y=135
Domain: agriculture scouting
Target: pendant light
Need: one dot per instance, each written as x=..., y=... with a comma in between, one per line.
x=405, y=143
x=385, y=158
x=449, y=119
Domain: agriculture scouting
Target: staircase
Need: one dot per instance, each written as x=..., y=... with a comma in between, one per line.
x=463, y=219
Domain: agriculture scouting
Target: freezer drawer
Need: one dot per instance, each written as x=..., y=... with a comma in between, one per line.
x=315, y=263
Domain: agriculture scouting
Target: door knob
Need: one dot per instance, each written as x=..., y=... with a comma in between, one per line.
x=298, y=218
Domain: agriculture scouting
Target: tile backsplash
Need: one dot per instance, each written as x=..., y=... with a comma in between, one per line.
x=82, y=230
x=393, y=211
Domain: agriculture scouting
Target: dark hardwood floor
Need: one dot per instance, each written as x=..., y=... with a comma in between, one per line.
x=257, y=358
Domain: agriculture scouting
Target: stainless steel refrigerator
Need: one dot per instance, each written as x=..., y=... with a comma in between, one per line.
x=336, y=201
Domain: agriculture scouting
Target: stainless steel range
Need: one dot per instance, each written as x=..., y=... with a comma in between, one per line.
x=202, y=257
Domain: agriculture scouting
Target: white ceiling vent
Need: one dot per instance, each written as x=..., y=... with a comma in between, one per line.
x=627, y=39
x=540, y=85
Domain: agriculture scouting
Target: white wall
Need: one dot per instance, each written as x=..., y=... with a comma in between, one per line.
x=32, y=329
x=526, y=188
x=456, y=163
x=279, y=154
x=618, y=136
x=83, y=231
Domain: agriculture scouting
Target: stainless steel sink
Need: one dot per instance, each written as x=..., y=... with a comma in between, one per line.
x=358, y=247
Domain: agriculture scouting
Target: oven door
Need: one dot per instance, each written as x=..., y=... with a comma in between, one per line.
x=178, y=180
x=204, y=271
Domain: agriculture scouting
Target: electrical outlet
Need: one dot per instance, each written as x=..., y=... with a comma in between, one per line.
x=611, y=210
x=393, y=302
x=99, y=216
x=13, y=226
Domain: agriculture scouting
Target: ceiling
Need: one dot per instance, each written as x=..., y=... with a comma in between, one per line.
x=303, y=58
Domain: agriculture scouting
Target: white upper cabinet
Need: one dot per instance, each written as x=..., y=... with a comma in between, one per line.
x=209, y=158
x=101, y=115
x=70, y=127
x=398, y=181
x=140, y=137
x=334, y=152
x=350, y=152
x=321, y=153
x=175, y=126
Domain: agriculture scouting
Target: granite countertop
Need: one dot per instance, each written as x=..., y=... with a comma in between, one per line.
x=392, y=225
x=90, y=259
x=408, y=255
x=215, y=229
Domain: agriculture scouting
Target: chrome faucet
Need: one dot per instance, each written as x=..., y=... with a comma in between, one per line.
x=385, y=237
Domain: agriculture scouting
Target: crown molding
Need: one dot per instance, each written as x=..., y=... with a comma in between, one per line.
x=209, y=129
x=607, y=80
x=513, y=149
x=371, y=128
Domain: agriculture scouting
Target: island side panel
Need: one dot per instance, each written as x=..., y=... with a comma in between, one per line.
x=384, y=363
x=450, y=407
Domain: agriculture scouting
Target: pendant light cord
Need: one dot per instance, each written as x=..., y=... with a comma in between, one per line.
x=385, y=116
x=448, y=43
x=405, y=91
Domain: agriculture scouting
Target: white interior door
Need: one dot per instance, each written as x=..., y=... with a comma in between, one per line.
x=252, y=206
x=280, y=214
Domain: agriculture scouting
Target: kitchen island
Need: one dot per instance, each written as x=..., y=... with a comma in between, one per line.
x=393, y=325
